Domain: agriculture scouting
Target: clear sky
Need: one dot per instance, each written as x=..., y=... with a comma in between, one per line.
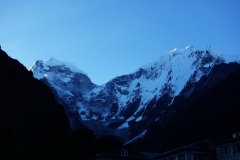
x=109, y=38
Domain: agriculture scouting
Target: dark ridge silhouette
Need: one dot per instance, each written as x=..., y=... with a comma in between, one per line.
x=31, y=121
x=33, y=125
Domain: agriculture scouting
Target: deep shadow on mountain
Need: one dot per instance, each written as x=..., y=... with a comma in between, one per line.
x=33, y=125
x=190, y=93
x=30, y=119
x=160, y=111
x=214, y=115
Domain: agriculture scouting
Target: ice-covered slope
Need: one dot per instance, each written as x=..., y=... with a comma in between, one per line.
x=130, y=98
x=68, y=83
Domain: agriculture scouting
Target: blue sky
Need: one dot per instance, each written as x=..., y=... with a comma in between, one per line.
x=109, y=38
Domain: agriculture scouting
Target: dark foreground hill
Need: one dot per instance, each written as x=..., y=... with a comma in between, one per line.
x=31, y=121
x=33, y=125
x=215, y=115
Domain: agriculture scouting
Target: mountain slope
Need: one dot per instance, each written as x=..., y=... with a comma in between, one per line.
x=214, y=115
x=31, y=121
x=127, y=104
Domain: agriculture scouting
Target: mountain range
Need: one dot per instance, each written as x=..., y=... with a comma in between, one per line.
x=33, y=125
x=127, y=106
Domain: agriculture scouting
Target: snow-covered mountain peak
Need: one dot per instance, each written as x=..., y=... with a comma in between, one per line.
x=131, y=98
x=52, y=58
x=54, y=62
x=173, y=56
x=211, y=46
x=174, y=50
x=38, y=68
x=183, y=56
x=181, y=51
x=179, y=65
x=217, y=53
x=189, y=48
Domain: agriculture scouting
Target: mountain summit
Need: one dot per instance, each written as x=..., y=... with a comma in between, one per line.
x=129, y=103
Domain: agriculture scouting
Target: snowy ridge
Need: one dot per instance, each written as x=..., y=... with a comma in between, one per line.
x=54, y=62
x=129, y=98
x=39, y=66
x=176, y=68
x=218, y=53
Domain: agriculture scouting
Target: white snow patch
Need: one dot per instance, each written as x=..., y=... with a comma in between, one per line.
x=124, y=125
x=54, y=62
x=139, y=119
x=139, y=136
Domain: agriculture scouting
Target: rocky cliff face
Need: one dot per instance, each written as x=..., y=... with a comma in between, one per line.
x=214, y=115
x=127, y=104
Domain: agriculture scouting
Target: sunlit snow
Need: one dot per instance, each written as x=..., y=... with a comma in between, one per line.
x=167, y=75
